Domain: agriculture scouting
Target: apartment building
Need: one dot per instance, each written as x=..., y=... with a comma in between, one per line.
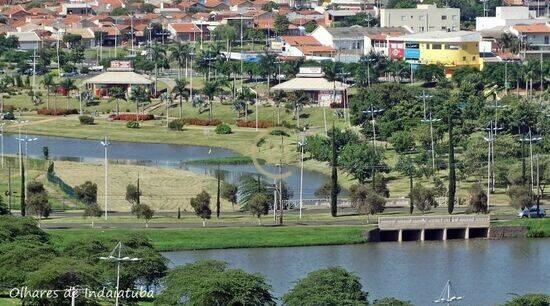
x=508, y=16
x=423, y=18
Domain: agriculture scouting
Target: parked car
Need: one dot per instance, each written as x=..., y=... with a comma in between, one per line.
x=68, y=74
x=532, y=213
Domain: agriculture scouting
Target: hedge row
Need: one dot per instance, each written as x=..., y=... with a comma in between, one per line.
x=252, y=123
x=202, y=122
x=57, y=112
x=132, y=117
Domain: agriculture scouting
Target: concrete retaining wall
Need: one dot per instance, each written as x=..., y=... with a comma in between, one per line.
x=504, y=232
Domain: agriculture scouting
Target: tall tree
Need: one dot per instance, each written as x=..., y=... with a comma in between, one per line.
x=406, y=166
x=334, y=176
x=259, y=205
x=157, y=54
x=180, y=91
x=180, y=53
x=37, y=200
x=229, y=192
x=49, y=83
x=68, y=85
x=201, y=206
x=218, y=191
x=117, y=93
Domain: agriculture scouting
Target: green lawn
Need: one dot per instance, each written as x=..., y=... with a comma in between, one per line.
x=534, y=224
x=221, y=238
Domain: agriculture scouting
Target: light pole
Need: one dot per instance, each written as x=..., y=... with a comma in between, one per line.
x=2, y=141
x=105, y=145
x=531, y=138
x=429, y=120
x=301, y=144
x=373, y=112
x=490, y=138
x=118, y=260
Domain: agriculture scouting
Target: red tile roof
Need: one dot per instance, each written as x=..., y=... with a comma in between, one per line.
x=533, y=28
x=301, y=40
x=185, y=28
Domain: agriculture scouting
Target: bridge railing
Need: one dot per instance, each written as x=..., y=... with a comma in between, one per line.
x=418, y=222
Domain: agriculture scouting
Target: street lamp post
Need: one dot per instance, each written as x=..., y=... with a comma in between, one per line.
x=301, y=144
x=2, y=141
x=429, y=120
x=105, y=145
x=490, y=139
x=118, y=260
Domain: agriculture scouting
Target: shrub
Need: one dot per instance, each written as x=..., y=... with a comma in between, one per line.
x=132, y=117
x=132, y=125
x=84, y=70
x=223, y=129
x=57, y=112
x=202, y=122
x=9, y=116
x=176, y=125
x=536, y=232
x=86, y=120
x=279, y=133
x=252, y=123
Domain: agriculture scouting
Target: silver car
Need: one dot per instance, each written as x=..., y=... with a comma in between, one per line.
x=532, y=213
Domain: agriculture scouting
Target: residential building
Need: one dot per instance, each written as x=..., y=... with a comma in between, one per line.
x=450, y=49
x=352, y=42
x=423, y=18
x=535, y=36
x=540, y=7
x=303, y=46
x=184, y=32
x=321, y=91
x=508, y=16
x=120, y=74
x=78, y=8
x=27, y=40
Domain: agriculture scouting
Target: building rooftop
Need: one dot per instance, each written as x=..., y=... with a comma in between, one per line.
x=357, y=31
x=309, y=84
x=25, y=36
x=119, y=77
x=533, y=28
x=443, y=36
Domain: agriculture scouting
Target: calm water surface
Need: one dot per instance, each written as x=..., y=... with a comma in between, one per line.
x=159, y=155
x=484, y=272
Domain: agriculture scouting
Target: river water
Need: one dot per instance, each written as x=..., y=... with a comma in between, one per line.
x=485, y=272
x=159, y=155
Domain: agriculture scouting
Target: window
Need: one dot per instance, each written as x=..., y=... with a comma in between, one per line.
x=444, y=28
x=453, y=28
x=546, y=40
x=452, y=47
x=473, y=58
x=403, y=18
x=443, y=17
x=421, y=29
x=436, y=46
x=464, y=58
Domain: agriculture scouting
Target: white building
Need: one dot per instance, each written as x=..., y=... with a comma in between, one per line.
x=535, y=35
x=350, y=43
x=27, y=40
x=508, y=16
x=423, y=18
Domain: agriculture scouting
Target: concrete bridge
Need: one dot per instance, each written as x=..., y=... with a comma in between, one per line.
x=420, y=228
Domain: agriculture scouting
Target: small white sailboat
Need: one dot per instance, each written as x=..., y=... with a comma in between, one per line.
x=448, y=295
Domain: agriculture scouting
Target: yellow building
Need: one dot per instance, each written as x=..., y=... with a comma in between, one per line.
x=451, y=49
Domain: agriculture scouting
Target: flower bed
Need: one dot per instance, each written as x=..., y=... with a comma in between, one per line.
x=132, y=117
x=57, y=112
x=252, y=123
x=202, y=122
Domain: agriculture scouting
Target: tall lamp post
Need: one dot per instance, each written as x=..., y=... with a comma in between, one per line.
x=301, y=144
x=2, y=142
x=372, y=112
x=118, y=259
x=429, y=120
x=105, y=143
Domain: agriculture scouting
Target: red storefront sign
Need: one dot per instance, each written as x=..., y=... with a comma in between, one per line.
x=396, y=50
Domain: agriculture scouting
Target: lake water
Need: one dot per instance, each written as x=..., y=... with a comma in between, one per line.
x=158, y=155
x=485, y=272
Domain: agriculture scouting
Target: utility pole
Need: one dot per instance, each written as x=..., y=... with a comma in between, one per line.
x=489, y=140
x=429, y=120
x=105, y=145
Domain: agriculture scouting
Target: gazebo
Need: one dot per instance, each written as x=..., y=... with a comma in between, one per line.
x=120, y=74
x=311, y=80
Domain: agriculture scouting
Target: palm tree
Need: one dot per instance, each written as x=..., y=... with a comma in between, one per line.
x=239, y=106
x=140, y=96
x=299, y=99
x=209, y=90
x=117, y=93
x=157, y=54
x=247, y=96
x=68, y=85
x=49, y=83
x=268, y=66
x=180, y=91
x=180, y=53
x=279, y=97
